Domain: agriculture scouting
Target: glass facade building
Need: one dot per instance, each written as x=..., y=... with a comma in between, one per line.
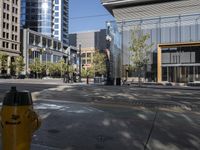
x=180, y=62
x=175, y=36
x=49, y=17
x=38, y=15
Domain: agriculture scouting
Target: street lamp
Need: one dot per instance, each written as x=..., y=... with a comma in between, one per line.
x=34, y=49
x=79, y=62
x=44, y=50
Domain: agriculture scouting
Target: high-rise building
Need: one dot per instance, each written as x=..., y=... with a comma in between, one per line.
x=61, y=21
x=38, y=16
x=9, y=32
x=49, y=17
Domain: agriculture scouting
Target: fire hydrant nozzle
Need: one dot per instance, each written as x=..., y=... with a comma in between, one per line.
x=18, y=120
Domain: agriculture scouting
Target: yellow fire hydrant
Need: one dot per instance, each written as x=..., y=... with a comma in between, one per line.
x=18, y=120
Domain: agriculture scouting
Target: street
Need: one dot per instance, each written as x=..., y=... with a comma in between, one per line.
x=89, y=117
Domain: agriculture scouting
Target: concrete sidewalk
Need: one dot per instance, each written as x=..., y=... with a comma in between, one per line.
x=69, y=126
x=125, y=95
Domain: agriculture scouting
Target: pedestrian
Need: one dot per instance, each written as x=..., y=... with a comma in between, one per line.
x=74, y=76
x=87, y=80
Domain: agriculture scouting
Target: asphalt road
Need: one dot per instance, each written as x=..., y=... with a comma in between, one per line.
x=32, y=86
x=21, y=85
x=123, y=95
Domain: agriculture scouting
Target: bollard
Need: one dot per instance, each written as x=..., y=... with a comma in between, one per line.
x=18, y=120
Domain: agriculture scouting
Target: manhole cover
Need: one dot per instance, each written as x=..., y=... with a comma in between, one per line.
x=103, y=138
x=53, y=131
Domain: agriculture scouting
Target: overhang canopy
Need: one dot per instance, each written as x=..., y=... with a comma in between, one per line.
x=124, y=10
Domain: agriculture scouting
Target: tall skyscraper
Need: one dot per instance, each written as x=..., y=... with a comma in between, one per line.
x=9, y=31
x=49, y=17
x=61, y=21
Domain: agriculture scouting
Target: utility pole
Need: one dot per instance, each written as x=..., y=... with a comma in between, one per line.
x=79, y=62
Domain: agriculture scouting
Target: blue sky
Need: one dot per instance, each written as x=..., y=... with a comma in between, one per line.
x=81, y=12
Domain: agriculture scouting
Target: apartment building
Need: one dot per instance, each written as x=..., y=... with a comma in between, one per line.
x=90, y=42
x=9, y=31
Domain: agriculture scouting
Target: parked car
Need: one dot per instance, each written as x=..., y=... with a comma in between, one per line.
x=5, y=76
x=21, y=76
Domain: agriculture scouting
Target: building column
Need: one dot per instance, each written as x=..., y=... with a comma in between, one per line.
x=175, y=74
x=52, y=57
x=8, y=64
x=194, y=73
x=181, y=77
x=41, y=57
x=159, y=64
x=168, y=74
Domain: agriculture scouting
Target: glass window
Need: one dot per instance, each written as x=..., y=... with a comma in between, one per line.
x=56, y=32
x=57, y=14
x=49, y=43
x=59, y=46
x=83, y=55
x=56, y=1
x=31, y=38
x=4, y=25
x=165, y=35
x=83, y=62
x=193, y=33
x=7, y=44
x=88, y=54
x=56, y=8
x=57, y=20
x=4, y=5
x=56, y=26
x=174, y=34
x=197, y=57
x=55, y=44
x=185, y=33
x=37, y=39
x=13, y=46
x=4, y=34
x=4, y=44
x=44, y=42
x=88, y=61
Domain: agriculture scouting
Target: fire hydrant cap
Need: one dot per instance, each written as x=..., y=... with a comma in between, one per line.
x=17, y=98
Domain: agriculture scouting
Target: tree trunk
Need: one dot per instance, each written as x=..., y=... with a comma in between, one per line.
x=139, y=78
